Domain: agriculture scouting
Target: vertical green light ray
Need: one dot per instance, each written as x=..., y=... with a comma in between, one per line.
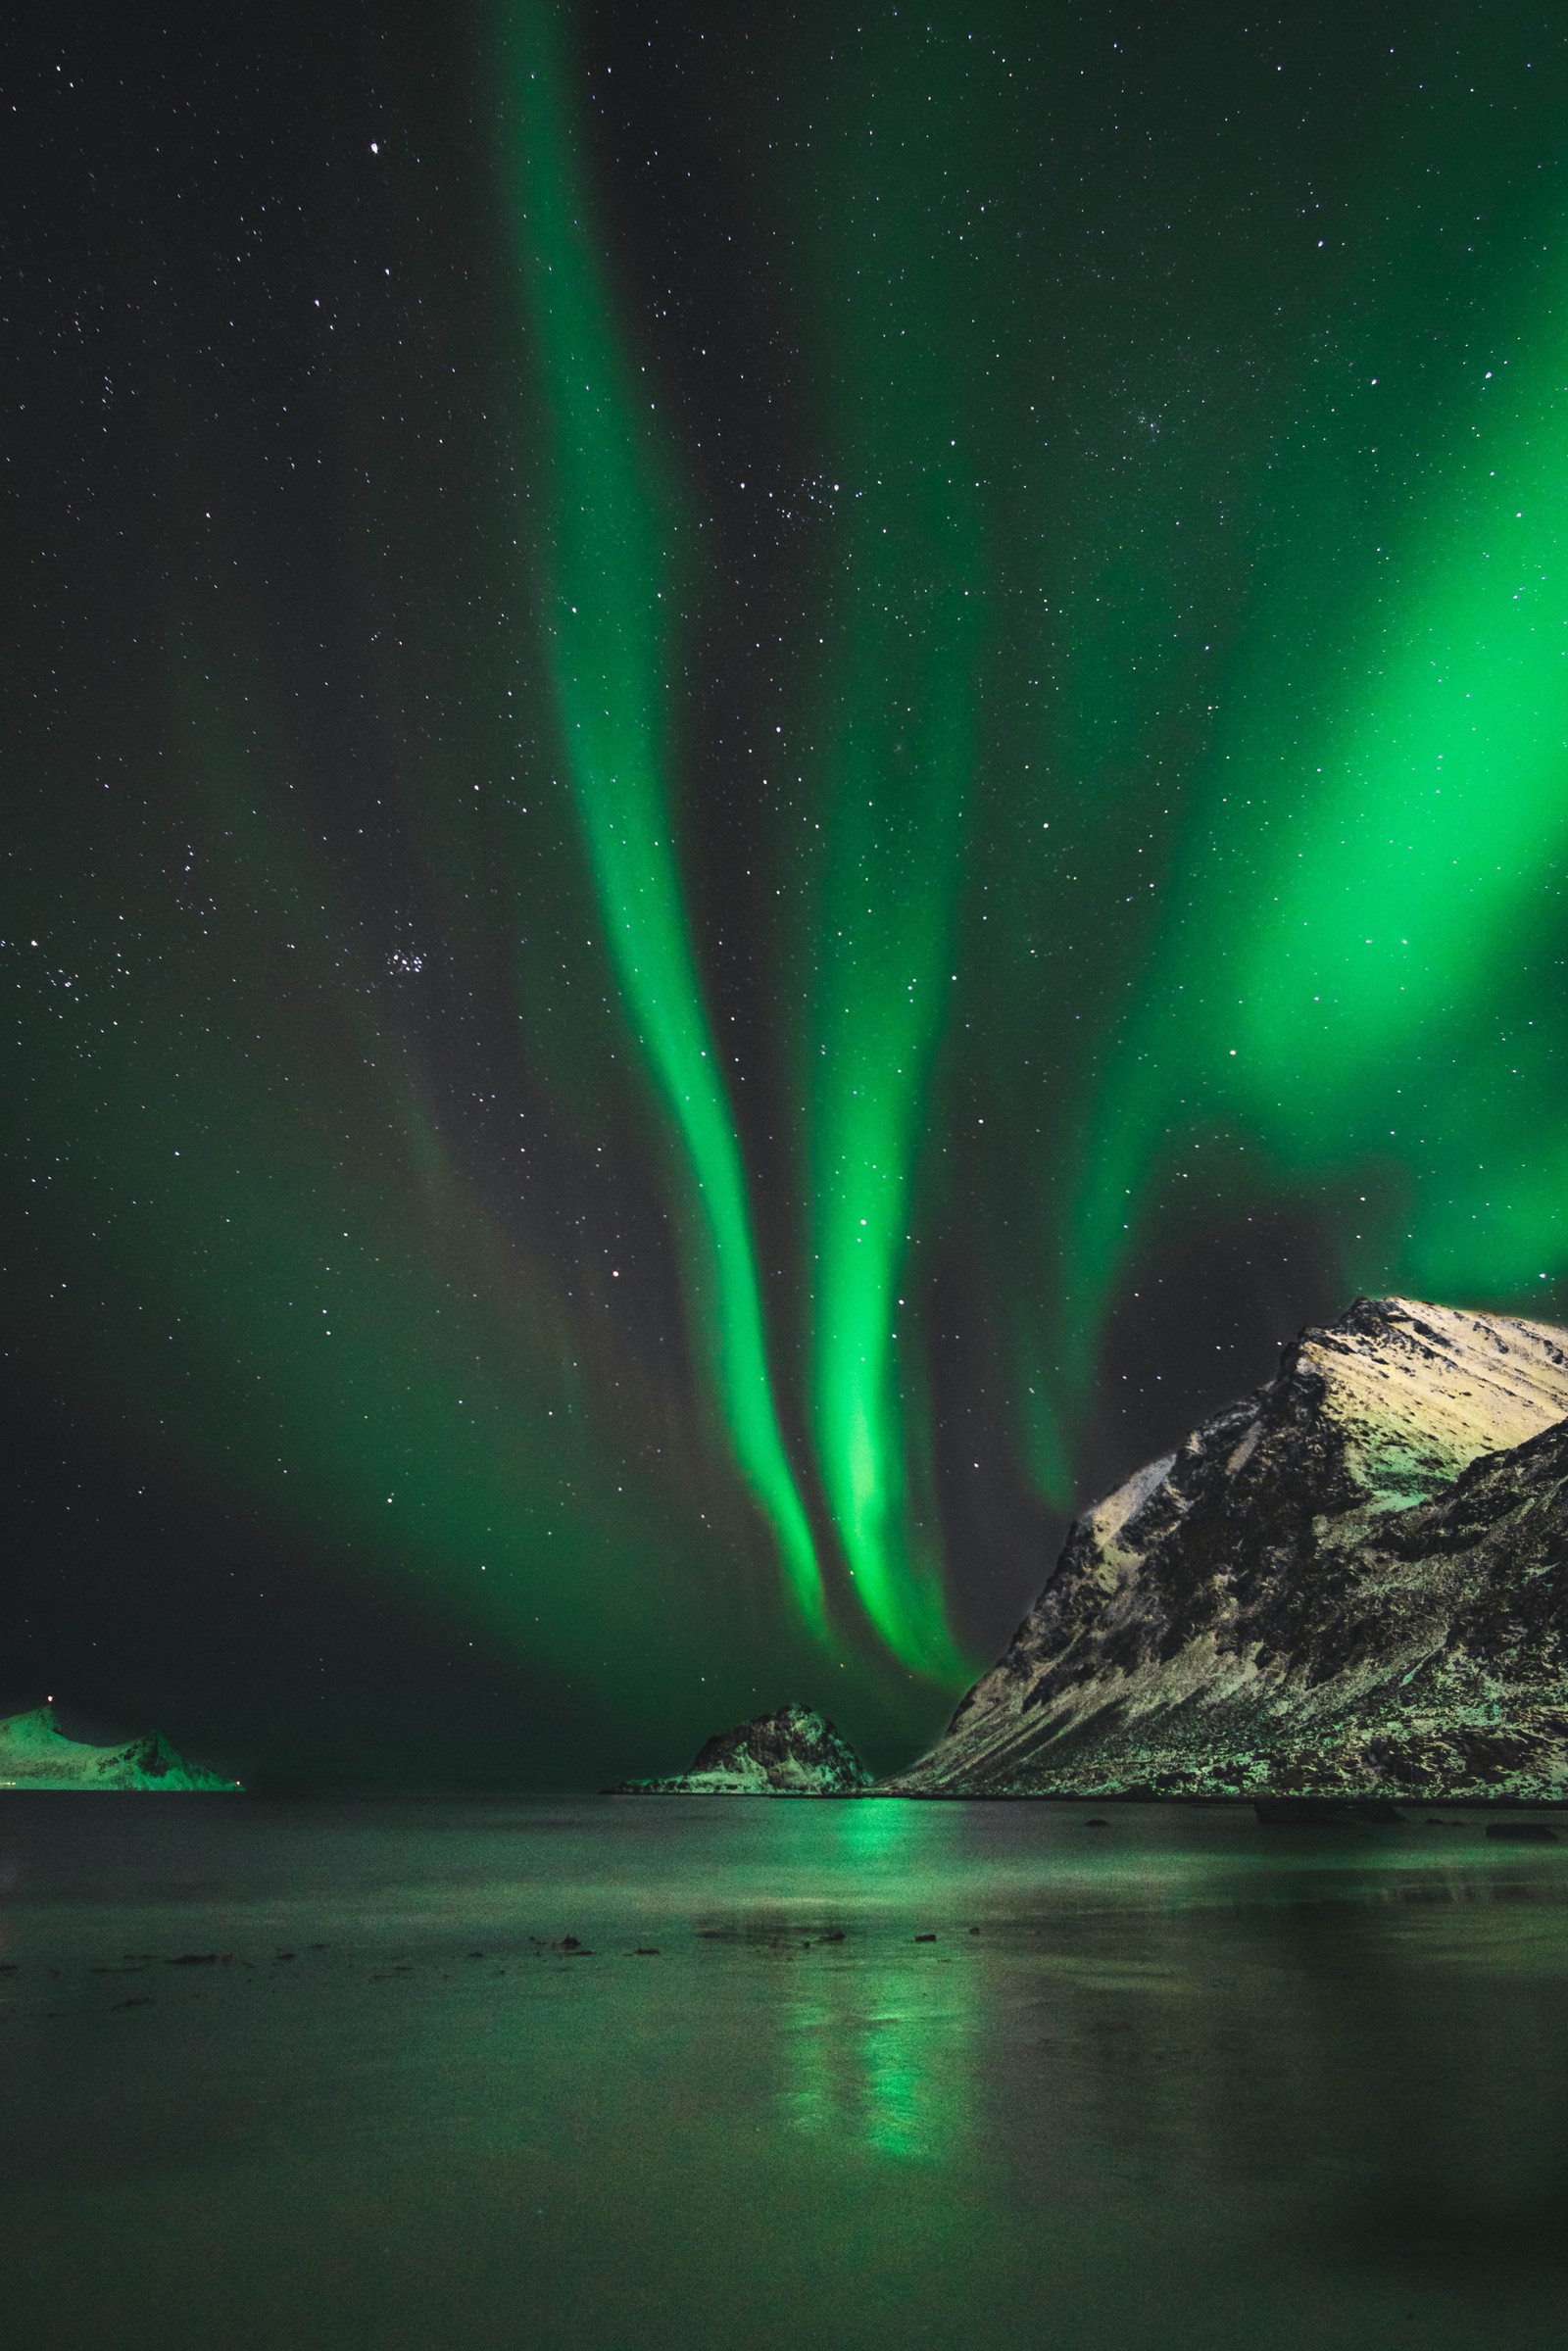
x=899, y=183
x=608, y=581
x=900, y=775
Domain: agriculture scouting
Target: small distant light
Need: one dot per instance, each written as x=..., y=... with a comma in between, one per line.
x=375, y=147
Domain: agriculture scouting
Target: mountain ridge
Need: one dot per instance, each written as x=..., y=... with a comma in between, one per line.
x=1238, y=1617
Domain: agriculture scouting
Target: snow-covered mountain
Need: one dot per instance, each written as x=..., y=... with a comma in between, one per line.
x=1353, y=1582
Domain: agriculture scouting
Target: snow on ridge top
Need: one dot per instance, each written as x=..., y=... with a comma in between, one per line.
x=1413, y=1392
x=1413, y=1386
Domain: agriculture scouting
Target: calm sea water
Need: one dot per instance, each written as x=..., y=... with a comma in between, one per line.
x=1173, y=2081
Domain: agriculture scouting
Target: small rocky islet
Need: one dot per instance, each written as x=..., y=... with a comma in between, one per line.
x=1349, y=1588
x=792, y=1753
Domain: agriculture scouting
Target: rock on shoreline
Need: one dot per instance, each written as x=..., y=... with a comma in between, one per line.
x=795, y=1753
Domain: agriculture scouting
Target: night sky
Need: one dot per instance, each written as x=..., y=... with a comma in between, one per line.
x=767, y=774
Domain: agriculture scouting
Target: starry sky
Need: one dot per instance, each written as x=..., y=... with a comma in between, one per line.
x=768, y=775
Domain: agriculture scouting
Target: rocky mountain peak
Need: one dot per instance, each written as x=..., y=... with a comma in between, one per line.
x=1413, y=1393
x=1198, y=1613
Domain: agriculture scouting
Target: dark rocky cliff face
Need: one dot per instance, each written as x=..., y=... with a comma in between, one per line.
x=793, y=1752
x=1356, y=1581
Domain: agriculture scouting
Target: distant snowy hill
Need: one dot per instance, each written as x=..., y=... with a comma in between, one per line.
x=36, y=1753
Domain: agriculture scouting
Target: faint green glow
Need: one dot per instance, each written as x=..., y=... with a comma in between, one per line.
x=282, y=1283
x=609, y=575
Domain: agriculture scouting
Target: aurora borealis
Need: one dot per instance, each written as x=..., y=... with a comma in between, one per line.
x=765, y=782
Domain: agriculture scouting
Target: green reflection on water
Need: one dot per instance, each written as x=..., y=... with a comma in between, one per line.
x=877, y=2053
x=876, y=2057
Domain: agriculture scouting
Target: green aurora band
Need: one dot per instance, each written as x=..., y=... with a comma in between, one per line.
x=1363, y=980
x=894, y=751
x=609, y=584
x=1153, y=817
